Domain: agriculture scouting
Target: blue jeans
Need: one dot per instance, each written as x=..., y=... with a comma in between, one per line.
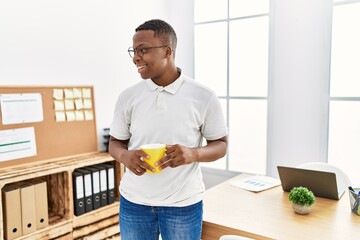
x=140, y=222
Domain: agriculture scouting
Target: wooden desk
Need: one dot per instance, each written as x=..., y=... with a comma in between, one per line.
x=269, y=215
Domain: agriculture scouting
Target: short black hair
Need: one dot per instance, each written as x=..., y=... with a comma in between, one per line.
x=162, y=30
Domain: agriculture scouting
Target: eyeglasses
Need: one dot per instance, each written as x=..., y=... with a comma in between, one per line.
x=141, y=51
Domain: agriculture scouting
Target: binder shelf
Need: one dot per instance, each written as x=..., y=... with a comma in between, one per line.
x=54, y=178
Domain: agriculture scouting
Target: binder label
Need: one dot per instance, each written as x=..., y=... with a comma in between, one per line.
x=79, y=187
x=88, y=191
x=111, y=178
x=96, y=186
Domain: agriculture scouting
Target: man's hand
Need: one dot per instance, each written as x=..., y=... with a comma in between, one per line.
x=177, y=155
x=132, y=159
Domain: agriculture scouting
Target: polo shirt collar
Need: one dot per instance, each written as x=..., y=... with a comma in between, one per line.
x=172, y=88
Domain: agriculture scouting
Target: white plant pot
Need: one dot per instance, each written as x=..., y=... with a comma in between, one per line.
x=299, y=209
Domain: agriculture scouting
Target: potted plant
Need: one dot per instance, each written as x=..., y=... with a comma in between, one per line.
x=302, y=199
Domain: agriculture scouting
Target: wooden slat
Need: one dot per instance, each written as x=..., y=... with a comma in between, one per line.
x=68, y=196
x=64, y=237
x=60, y=180
x=87, y=160
x=6, y=172
x=50, y=166
x=96, y=215
x=50, y=232
x=114, y=237
x=54, y=194
x=22, y=170
x=112, y=230
x=54, y=218
x=90, y=229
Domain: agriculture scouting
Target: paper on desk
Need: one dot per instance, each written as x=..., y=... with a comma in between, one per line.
x=256, y=183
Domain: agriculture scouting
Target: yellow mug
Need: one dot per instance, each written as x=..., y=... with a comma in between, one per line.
x=155, y=151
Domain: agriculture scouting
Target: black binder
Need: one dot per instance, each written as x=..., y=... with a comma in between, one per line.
x=110, y=177
x=78, y=187
x=87, y=189
x=95, y=183
x=103, y=184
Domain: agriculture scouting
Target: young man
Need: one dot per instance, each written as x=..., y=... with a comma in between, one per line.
x=167, y=107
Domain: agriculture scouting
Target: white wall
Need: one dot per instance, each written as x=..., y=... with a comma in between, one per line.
x=83, y=42
x=298, y=82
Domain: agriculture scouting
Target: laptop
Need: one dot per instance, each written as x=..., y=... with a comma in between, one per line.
x=322, y=184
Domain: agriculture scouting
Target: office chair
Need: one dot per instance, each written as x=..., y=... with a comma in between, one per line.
x=342, y=179
x=233, y=237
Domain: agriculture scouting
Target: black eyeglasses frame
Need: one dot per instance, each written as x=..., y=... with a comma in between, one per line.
x=141, y=51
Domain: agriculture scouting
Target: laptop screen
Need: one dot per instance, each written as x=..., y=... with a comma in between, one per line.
x=322, y=184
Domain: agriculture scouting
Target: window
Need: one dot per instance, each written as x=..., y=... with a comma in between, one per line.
x=231, y=57
x=344, y=117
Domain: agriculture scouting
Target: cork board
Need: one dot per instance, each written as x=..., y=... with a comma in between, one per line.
x=57, y=136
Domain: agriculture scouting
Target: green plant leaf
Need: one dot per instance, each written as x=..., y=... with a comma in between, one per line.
x=301, y=196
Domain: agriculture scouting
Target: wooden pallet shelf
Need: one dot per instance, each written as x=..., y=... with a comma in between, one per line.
x=52, y=232
x=100, y=222
x=63, y=224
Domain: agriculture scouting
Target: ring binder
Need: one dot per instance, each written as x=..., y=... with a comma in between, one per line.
x=103, y=184
x=110, y=179
x=78, y=187
x=95, y=183
x=87, y=189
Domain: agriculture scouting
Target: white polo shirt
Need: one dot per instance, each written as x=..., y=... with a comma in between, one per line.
x=181, y=113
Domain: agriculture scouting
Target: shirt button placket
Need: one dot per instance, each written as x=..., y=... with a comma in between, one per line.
x=160, y=104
